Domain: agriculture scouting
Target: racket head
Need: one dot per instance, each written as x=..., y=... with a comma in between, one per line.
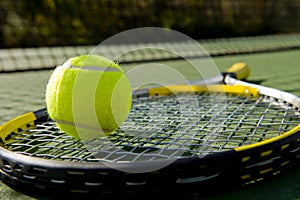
x=34, y=153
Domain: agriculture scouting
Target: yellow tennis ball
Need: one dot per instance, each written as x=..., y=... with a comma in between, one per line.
x=88, y=96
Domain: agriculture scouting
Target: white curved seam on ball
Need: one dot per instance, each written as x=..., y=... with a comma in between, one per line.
x=97, y=68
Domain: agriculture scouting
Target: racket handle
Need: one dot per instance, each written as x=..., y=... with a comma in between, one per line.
x=239, y=71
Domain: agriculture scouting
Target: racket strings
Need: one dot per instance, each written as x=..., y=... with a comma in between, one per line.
x=227, y=118
x=46, y=141
x=166, y=128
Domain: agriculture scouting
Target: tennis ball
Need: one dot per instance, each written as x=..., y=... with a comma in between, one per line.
x=88, y=96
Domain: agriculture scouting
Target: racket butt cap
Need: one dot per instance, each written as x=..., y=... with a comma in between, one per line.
x=239, y=70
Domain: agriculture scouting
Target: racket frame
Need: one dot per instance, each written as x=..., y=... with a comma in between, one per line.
x=249, y=163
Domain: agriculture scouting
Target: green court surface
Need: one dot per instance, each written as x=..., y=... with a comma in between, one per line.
x=24, y=91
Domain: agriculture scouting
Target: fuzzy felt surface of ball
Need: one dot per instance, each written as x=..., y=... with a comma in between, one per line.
x=88, y=96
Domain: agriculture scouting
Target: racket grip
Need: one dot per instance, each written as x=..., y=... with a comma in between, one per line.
x=239, y=71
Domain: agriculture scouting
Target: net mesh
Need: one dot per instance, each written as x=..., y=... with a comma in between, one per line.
x=22, y=59
x=168, y=133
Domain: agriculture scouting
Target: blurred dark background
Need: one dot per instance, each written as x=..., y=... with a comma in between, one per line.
x=25, y=23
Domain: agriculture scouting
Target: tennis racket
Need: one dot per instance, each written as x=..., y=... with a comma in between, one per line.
x=252, y=136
